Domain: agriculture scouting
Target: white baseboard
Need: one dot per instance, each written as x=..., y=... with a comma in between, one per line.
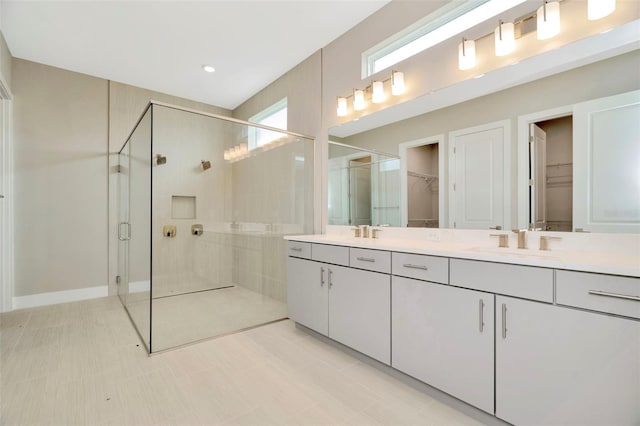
x=55, y=297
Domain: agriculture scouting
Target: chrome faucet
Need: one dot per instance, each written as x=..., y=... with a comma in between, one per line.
x=522, y=238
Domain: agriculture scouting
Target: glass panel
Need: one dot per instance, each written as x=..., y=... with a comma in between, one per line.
x=135, y=191
x=363, y=187
x=223, y=269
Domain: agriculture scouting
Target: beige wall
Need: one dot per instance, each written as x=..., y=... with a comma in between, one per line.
x=60, y=142
x=5, y=62
x=301, y=85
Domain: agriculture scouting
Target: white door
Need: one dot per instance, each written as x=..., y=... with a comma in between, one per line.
x=480, y=178
x=557, y=365
x=443, y=336
x=537, y=177
x=606, y=164
x=360, y=311
x=307, y=293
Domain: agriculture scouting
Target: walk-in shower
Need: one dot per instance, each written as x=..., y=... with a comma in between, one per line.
x=201, y=253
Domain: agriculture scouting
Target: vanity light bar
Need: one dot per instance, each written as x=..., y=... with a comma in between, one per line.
x=375, y=92
x=547, y=17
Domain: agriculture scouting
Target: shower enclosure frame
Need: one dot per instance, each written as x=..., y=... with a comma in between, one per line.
x=149, y=108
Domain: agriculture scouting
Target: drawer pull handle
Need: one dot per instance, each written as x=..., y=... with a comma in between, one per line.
x=504, y=320
x=321, y=277
x=410, y=266
x=481, y=314
x=296, y=248
x=617, y=296
x=366, y=259
x=330, y=278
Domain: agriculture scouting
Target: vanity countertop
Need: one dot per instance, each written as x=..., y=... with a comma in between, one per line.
x=605, y=262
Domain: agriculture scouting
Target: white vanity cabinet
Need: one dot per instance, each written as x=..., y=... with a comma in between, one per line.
x=444, y=336
x=307, y=294
x=351, y=306
x=557, y=365
x=359, y=311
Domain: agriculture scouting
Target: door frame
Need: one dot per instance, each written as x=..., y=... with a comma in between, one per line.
x=7, y=204
x=442, y=181
x=506, y=168
x=522, y=162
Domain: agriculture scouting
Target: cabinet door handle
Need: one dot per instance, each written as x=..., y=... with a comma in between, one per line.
x=504, y=320
x=296, y=248
x=410, y=266
x=481, y=314
x=615, y=295
x=366, y=259
x=321, y=276
x=330, y=278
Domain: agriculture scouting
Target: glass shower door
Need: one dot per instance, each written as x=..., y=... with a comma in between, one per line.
x=134, y=248
x=122, y=281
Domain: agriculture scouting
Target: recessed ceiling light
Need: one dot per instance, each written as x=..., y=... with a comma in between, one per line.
x=208, y=68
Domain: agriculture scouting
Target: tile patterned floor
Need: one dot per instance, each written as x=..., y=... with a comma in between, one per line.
x=82, y=363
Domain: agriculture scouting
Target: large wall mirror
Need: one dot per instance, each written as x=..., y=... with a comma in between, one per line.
x=543, y=155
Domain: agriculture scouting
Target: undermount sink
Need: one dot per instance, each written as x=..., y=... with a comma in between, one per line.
x=516, y=252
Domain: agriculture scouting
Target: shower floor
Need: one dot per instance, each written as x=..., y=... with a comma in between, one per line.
x=186, y=318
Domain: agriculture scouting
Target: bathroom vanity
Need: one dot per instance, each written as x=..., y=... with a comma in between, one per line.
x=530, y=336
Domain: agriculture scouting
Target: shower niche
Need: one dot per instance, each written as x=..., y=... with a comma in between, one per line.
x=223, y=269
x=183, y=207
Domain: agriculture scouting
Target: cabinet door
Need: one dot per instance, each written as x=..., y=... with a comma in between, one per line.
x=359, y=311
x=307, y=294
x=558, y=365
x=443, y=336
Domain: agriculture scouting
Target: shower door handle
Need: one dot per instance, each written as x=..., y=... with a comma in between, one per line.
x=127, y=237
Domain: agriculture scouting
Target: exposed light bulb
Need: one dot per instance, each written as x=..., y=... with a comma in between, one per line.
x=208, y=68
x=597, y=9
x=342, y=109
x=505, y=38
x=358, y=99
x=466, y=54
x=548, y=20
x=377, y=92
x=397, y=83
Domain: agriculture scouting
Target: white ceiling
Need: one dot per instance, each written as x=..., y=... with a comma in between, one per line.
x=162, y=45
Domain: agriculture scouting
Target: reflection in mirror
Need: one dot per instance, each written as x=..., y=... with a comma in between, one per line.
x=363, y=186
x=422, y=186
x=551, y=174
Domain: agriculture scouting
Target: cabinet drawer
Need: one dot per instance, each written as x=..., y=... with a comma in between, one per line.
x=372, y=260
x=427, y=268
x=606, y=293
x=338, y=255
x=527, y=282
x=298, y=249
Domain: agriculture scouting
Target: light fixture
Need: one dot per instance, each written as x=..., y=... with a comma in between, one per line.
x=466, y=54
x=505, y=38
x=597, y=9
x=208, y=68
x=548, y=20
x=377, y=92
x=397, y=83
x=342, y=106
x=358, y=99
